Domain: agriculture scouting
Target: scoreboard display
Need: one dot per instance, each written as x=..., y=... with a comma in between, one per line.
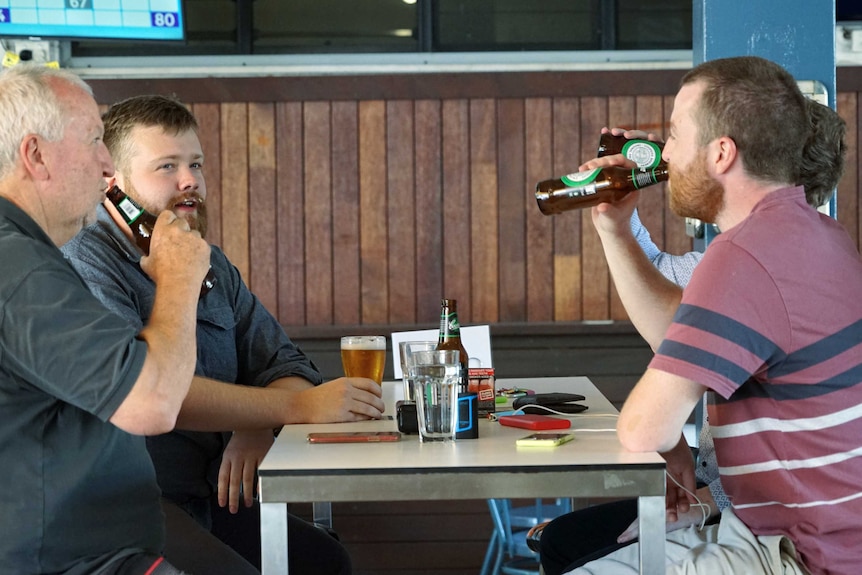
x=92, y=19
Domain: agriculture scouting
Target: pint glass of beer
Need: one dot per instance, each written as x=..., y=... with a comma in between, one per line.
x=364, y=356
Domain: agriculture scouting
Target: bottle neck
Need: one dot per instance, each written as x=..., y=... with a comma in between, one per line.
x=449, y=326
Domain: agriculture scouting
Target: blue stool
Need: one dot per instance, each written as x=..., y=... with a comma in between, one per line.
x=508, y=553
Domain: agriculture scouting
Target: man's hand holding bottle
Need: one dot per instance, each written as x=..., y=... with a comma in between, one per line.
x=178, y=255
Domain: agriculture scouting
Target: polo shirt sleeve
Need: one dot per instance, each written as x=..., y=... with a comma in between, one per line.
x=731, y=325
x=61, y=340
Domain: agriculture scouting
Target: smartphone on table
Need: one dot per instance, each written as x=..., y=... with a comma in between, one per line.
x=353, y=436
x=545, y=439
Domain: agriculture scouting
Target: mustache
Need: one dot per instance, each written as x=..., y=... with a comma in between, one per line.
x=190, y=197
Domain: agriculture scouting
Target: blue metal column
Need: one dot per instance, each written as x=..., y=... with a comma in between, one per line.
x=798, y=34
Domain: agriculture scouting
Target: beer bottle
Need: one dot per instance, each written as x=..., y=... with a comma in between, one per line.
x=592, y=187
x=142, y=223
x=644, y=153
x=450, y=337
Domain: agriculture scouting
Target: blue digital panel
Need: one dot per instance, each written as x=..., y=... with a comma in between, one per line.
x=108, y=19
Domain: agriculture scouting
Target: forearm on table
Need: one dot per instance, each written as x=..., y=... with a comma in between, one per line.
x=217, y=406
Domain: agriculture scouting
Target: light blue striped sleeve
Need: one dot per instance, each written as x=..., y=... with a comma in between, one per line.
x=677, y=269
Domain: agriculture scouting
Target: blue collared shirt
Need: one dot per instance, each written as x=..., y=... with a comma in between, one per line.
x=238, y=341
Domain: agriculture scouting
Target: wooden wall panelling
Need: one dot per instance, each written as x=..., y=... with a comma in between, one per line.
x=848, y=205
x=401, y=214
x=262, y=200
x=428, y=270
x=595, y=279
x=346, y=290
x=373, y=259
x=484, y=212
x=538, y=137
x=622, y=112
x=209, y=134
x=651, y=204
x=234, y=199
x=512, y=196
x=290, y=233
x=414, y=537
x=317, y=184
x=472, y=137
x=568, y=255
x=456, y=202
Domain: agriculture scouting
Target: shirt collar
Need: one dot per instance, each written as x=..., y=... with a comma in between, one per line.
x=22, y=220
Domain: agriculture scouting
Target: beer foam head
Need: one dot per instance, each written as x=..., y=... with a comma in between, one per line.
x=363, y=342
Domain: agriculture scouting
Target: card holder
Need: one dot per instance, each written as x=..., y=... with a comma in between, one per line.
x=557, y=401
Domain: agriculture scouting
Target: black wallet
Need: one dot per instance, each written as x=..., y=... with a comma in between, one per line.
x=561, y=402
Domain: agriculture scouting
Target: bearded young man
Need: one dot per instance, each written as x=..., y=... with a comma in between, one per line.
x=771, y=322
x=249, y=377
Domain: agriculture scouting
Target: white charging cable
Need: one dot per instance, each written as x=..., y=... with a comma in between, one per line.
x=704, y=507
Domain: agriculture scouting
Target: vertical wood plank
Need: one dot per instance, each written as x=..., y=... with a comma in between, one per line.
x=512, y=269
x=456, y=207
x=401, y=218
x=318, y=211
x=372, y=209
x=622, y=113
x=209, y=134
x=652, y=205
x=262, y=205
x=345, y=212
x=429, y=210
x=234, y=160
x=848, y=208
x=484, y=211
x=291, y=214
x=596, y=278
x=568, y=261
x=538, y=139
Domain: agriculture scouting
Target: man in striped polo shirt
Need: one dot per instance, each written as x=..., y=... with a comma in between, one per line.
x=771, y=322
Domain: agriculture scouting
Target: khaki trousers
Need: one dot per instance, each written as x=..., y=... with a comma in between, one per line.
x=728, y=547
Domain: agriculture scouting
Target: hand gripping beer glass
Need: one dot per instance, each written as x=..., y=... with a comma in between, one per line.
x=364, y=356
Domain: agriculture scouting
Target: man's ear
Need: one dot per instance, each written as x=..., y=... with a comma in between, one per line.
x=33, y=157
x=724, y=154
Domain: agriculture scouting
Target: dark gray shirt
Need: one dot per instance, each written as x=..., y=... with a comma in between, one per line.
x=77, y=489
x=238, y=341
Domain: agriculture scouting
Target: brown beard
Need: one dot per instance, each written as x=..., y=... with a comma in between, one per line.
x=694, y=193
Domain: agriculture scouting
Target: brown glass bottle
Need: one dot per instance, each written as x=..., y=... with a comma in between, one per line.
x=450, y=337
x=644, y=153
x=142, y=223
x=592, y=187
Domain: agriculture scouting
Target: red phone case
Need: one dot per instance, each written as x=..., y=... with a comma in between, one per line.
x=353, y=436
x=534, y=422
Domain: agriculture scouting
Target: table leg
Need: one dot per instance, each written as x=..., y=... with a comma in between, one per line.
x=273, y=538
x=322, y=513
x=651, y=527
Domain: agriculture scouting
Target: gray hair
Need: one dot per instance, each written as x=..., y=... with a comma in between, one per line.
x=29, y=105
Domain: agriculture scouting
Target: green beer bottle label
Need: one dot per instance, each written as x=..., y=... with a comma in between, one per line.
x=579, y=179
x=644, y=153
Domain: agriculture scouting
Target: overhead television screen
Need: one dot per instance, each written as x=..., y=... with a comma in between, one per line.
x=92, y=19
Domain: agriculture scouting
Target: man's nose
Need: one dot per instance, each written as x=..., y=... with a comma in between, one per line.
x=188, y=180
